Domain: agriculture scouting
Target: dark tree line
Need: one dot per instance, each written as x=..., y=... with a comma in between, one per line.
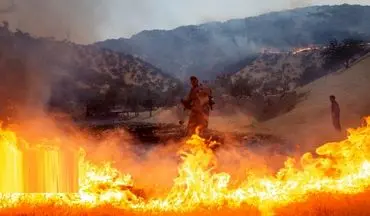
x=132, y=99
x=341, y=53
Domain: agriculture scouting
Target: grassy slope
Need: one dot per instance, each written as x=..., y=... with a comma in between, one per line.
x=310, y=121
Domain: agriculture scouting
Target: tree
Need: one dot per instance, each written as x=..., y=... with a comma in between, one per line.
x=111, y=96
x=341, y=53
x=151, y=101
x=171, y=97
x=240, y=88
x=148, y=103
x=284, y=82
x=6, y=25
x=133, y=103
x=223, y=81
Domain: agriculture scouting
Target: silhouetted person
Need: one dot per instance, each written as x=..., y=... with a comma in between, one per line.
x=335, y=113
x=198, y=102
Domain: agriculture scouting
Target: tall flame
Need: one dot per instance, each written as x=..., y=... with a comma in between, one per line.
x=341, y=167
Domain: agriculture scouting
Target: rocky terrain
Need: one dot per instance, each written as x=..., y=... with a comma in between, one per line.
x=207, y=49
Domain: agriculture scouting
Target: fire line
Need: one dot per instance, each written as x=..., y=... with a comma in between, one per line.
x=64, y=177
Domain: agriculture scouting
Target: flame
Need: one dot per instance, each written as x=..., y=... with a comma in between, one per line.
x=303, y=49
x=340, y=168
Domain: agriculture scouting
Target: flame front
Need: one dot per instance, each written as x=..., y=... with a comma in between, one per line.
x=304, y=49
x=338, y=168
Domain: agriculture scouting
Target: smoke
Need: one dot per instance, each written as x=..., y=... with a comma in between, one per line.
x=27, y=77
x=28, y=67
x=8, y=9
x=130, y=17
x=31, y=68
x=86, y=21
x=153, y=168
x=76, y=20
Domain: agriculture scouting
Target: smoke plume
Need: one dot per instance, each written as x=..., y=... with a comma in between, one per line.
x=76, y=20
x=86, y=21
x=8, y=9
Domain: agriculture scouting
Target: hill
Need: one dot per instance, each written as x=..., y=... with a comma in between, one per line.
x=68, y=75
x=310, y=122
x=205, y=49
x=282, y=70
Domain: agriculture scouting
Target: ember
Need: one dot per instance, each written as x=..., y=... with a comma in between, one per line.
x=54, y=173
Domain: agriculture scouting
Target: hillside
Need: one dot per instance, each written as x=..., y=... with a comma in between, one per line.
x=206, y=49
x=66, y=75
x=310, y=122
x=282, y=70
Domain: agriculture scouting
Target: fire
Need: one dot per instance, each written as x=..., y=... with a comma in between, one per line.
x=340, y=168
x=303, y=49
x=38, y=168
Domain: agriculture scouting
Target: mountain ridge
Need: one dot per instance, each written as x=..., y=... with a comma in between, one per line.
x=196, y=49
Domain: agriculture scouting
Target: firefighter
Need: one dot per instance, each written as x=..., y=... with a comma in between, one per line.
x=199, y=102
x=335, y=113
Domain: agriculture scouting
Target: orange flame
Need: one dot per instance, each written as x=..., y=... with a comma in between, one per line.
x=341, y=167
x=303, y=49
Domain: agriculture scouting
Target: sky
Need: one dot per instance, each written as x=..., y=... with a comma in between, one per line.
x=87, y=21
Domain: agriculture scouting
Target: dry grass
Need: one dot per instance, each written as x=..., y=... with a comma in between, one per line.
x=311, y=119
x=318, y=205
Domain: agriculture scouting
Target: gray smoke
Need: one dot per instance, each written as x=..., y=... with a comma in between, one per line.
x=128, y=17
x=86, y=21
x=77, y=20
x=8, y=8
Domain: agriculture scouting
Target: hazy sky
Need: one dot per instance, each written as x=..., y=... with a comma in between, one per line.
x=90, y=20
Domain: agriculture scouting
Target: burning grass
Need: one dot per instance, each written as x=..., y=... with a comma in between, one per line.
x=332, y=182
x=320, y=204
x=323, y=204
x=109, y=210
